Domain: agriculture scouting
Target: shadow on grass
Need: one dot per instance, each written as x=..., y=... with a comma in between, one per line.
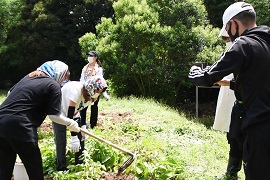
x=206, y=112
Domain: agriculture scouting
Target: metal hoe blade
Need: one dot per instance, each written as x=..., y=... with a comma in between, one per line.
x=126, y=163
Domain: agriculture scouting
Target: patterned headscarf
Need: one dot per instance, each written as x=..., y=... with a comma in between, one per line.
x=55, y=69
x=94, y=84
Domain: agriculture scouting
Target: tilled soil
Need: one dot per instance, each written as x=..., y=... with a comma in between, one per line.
x=113, y=176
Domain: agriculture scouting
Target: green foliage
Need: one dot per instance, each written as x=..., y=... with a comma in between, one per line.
x=47, y=30
x=213, y=47
x=103, y=154
x=89, y=170
x=3, y=95
x=147, y=49
x=10, y=14
x=167, y=144
x=48, y=152
x=262, y=9
x=9, y=18
x=189, y=13
x=215, y=9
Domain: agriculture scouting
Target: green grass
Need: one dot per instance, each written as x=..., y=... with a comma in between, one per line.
x=168, y=145
x=165, y=140
x=3, y=95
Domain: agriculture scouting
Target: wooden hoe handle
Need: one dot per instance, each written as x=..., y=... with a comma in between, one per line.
x=106, y=142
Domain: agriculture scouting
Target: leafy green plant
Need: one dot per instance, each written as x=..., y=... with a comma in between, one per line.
x=104, y=154
x=167, y=144
x=48, y=154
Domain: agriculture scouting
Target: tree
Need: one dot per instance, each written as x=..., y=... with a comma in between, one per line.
x=148, y=48
x=50, y=30
x=215, y=9
x=262, y=9
x=9, y=15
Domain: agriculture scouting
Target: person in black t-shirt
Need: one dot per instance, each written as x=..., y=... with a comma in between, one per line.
x=34, y=97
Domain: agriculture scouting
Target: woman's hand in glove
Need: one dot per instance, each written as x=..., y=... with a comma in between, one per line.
x=75, y=145
x=73, y=126
x=84, y=136
x=106, y=95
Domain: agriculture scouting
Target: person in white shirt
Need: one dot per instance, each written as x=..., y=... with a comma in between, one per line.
x=76, y=96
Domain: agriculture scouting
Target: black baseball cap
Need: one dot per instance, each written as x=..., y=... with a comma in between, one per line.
x=92, y=53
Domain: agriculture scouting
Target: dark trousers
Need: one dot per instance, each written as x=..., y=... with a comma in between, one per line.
x=94, y=114
x=236, y=147
x=60, y=139
x=28, y=152
x=256, y=154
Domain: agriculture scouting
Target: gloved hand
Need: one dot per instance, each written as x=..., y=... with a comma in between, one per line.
x=106, y=95
x=73, y=126
x=75, y=145
x=84, y=136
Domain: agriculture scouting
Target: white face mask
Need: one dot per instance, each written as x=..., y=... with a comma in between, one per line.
x=228, y=44
x=90, y=59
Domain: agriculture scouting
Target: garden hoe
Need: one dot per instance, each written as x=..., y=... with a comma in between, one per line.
x=126, y=163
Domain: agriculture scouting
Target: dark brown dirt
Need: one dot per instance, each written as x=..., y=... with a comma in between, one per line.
x=46, y=127
x=116, y=117
x=113, y=176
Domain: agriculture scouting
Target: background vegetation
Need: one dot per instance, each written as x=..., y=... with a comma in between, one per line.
x=146, y=46
x=40, y=30
x=151, y=45
x=168, y=144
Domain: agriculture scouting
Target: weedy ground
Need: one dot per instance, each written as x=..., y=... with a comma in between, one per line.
x=168, y=143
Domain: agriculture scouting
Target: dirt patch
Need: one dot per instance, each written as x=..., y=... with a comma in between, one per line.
x=46, y=127
x=113, y=176
x=116, y=117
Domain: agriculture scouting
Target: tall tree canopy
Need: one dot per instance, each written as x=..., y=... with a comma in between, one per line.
x=151, y=44
x=262, y=9
x=147, y=46
x=50, y=30
x=9, y=16
x=216, y=8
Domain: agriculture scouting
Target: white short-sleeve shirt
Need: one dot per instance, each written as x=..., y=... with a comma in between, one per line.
x=72, y=91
